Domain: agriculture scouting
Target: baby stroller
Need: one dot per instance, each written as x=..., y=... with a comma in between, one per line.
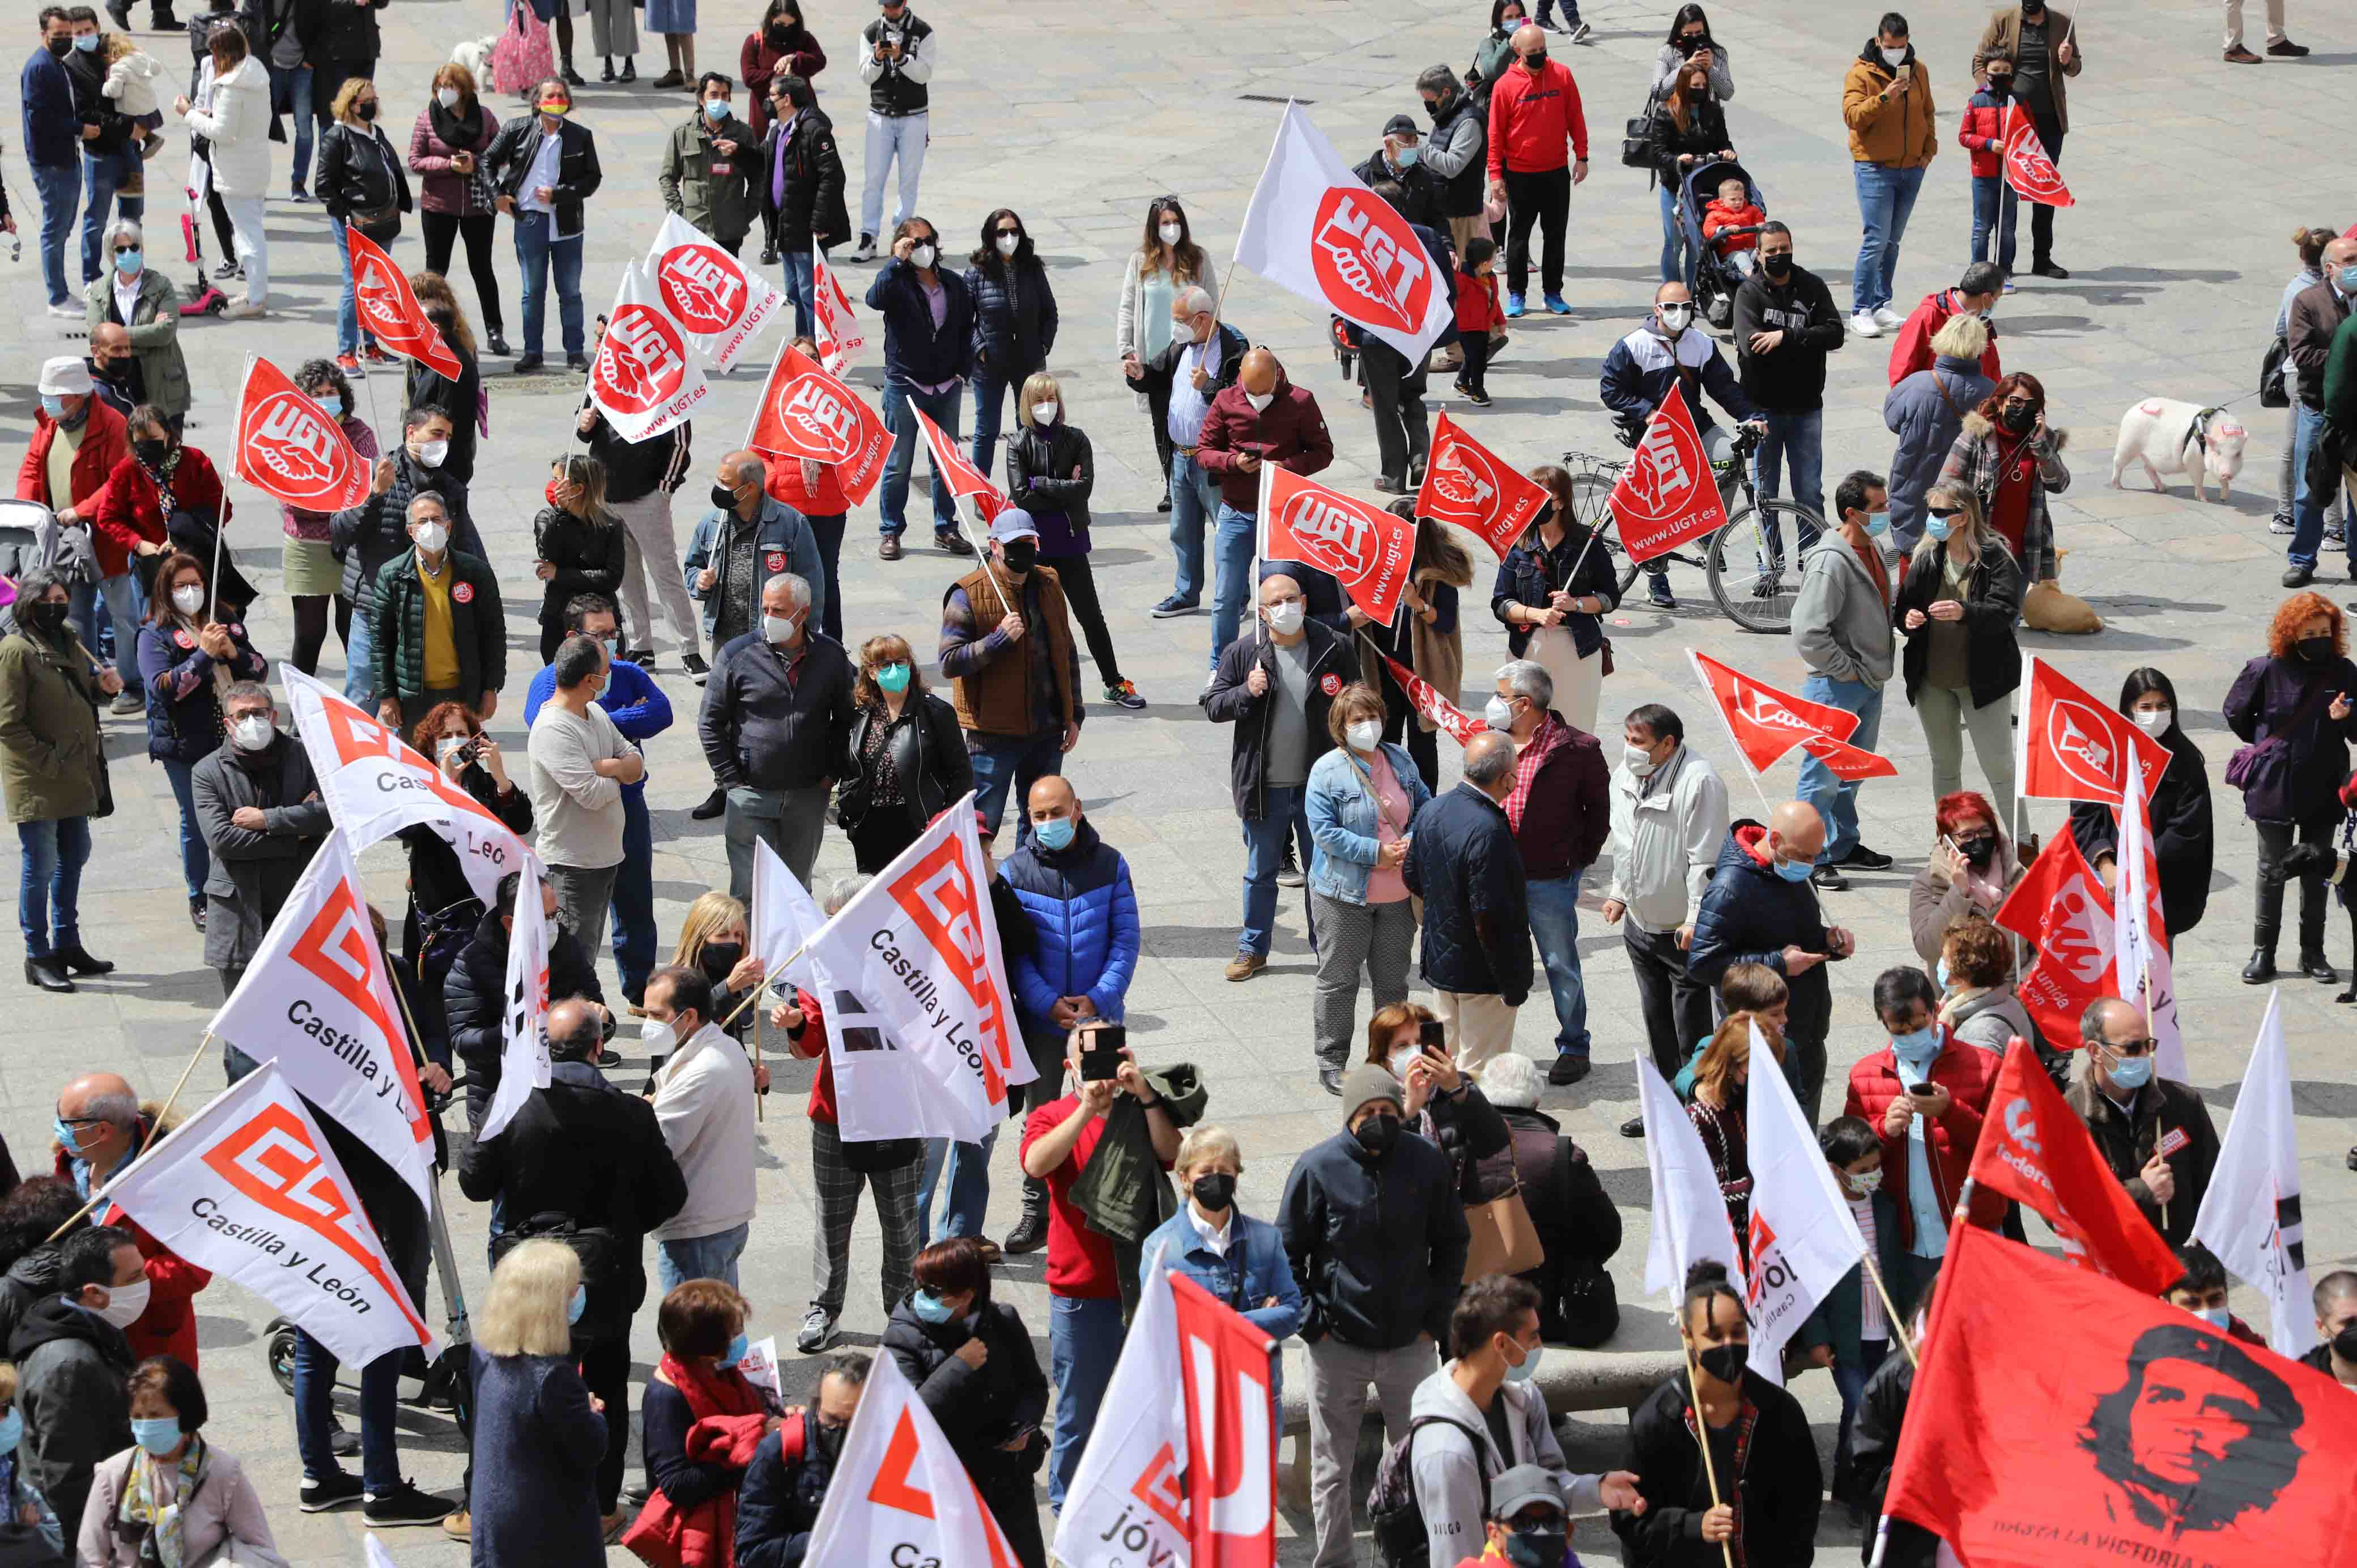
x=1715, y=278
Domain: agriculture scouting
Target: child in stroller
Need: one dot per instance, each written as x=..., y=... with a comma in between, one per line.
x=1721, y=212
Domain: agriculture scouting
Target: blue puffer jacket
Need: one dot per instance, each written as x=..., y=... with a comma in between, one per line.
x=1342, y=807
x=184, y=711
x=1085, y=912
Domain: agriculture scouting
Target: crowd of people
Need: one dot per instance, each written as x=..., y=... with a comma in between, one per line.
x=811, y=724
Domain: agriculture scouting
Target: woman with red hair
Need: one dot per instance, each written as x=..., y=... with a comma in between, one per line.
x=2010, y=462
x=2293, y=708
x=1971, y=868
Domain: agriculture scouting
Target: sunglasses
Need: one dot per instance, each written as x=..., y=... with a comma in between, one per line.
x=2130, y=1047
x=1012, y=233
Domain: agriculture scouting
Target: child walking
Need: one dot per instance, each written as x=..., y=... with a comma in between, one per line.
x=1478, y=314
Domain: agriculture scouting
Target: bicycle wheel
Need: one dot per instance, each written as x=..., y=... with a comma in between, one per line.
x=1589, y=490
x=1755, y=566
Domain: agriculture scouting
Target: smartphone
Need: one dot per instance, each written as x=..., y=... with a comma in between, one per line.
x=1432, y=1034
x=1922, y=1089
x=1100, y=1051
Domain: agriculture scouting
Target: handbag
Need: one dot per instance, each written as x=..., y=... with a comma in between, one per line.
x=1640, y=148
x=2273, y=364
x=2265, y=764
x=1504, y=1240
x=523, y=55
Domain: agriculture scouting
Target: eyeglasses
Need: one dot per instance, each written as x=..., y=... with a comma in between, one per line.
x=2126, y=1048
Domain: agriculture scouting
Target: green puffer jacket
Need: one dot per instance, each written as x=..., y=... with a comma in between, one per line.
x=478, y=626
x=50, y=765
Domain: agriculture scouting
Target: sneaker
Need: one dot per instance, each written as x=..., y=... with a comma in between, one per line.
x=402, y=1506
x=951, y=541
x=2285, y=48
x=1827, y=877
x=1123, y=693
x=1478, y=399
x=2279, y=523
x=2009, y=285
x=578, y=363
x=1175, y=606
x=1554, y=305
x=335, y=1491
x=459, y=1525
x=1514, y=305
x=2336, y=534
x=1289, y=871
x=1863, y=859
x=818, y=1331
x=694, y=665
x=2298, y=576
x=1864, y=324
x=1888, y=319
x=1582, y=33
x=866, y=250
x=1658, y=595
x=348, y=364
x=70, y=312
x=297, y=193
x=127, y=703
x=644, y=657
x=1568, y=1069
x=1244, y=965
x=243, y=310
x=228, y=269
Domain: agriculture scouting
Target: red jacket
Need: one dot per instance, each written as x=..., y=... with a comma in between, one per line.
x=757, y=62
x=1969, y=1075
x=811, y=1045
x=105, y=441
x=1290, y=431
x=168, y=1326
x=1984, y=123
x=1530, y=117
x=785, y=484
x=134, y=511
x=1477, y=303
x=1912, y=351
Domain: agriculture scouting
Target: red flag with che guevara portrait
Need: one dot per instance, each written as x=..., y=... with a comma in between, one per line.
x=2105, y=1427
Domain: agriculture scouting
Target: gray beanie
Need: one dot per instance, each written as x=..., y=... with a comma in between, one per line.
x=1367, y=1082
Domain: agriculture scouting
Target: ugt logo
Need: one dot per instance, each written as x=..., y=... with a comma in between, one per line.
x=807, y=404
x=1368, y=262
x=701, y=285
x=1662, y=477
x=1332, y=537
x=642, y=360
x=1462, y=477
x=290, y=435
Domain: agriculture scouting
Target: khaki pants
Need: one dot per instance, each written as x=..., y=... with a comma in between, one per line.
x=1339, y=1376
x=650, y=547
x=1579, y=682
x=1480, y=1025
x=2235, y=23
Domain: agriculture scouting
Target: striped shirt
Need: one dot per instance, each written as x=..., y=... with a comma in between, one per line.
x=1871, y=1324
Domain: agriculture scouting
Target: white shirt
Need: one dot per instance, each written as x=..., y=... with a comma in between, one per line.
x=1188, y=406
x=544, y=172
x=126, y=294
x=704, y=1102
x=1218, y=1241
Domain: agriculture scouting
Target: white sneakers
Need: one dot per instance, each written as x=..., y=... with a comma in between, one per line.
x=1864, y=324
x=69, y=312
x=1888, y=320
x=242, y=310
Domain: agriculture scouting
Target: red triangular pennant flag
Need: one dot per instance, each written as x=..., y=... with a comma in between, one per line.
x=389, y=309
x=1427, y=700
x=1764, y=721
x=969, y=484
x=2074, y=747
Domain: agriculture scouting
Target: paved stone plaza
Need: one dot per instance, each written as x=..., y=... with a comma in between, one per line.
x=1078, y=115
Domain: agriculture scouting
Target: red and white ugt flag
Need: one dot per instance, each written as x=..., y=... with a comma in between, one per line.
x=1315, y=228
x=2028, y=168
x=919, y=948
x=1668, y=493
x=1764, y=721
x=248, y=1188
x=1367, y=549
x=722, y=303
x=832, y=326
x=291, y=449
x=805, y=411
x=983, y=500
x=1468, y=485
x=318, y=997
x=388, y=308
x=900, y=1494
x=1446, y=716
x=2074, y=747
x=647, y=376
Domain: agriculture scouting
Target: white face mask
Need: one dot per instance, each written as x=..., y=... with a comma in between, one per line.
x=1183, y=331
x=1043, y=413
x=923, y=255
x=447, y=96
x=1894, y=59
x=431, y=453
x=255, y=731
x=1499, y=715
x=125, y=1302
x=433, y=538
x=1170, y=232
x=1676, y=318
x=1285, y=619
x=1640, y=761
x=778, y=629
x=2153, y=721
x=1364, y=734
x=1260, y=401
x=1006, y=243
x=190, y=597
x=660, y=1040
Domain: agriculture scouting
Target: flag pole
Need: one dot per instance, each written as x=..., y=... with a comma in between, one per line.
x=1701, y=1441
x=1898, y=1328
x=753, y=923
x=147, y=1143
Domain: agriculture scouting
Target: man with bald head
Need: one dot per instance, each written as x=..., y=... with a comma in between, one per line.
x=1463, y=863
x=1263, y=418
x=1534, y=113
x=100, y=1129
x=2309, y=326
x=1202, y=360
x=1760, y=908
x=776, y=720
x=2153, y=1131
x=114, y=369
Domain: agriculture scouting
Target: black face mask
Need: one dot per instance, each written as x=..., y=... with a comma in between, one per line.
x=61, y=47
x=2345, y=1344
x=827, y=1439
x=1689, y=42
x=1978, y=850
x=1433, y=111
x=365, y=111
x=1020, y=553
x=152, y=453
x=778, y=34
x=2315, y=649
x=1777, y=267
x=719, y=958
x=1215, y=1191
x=724, y=497
x=2016, y=419
x=47, y=618
x=1999, y=86
x=1725, y=1362
x=114, y=370
x=1536, y=60
x=1377, y=1134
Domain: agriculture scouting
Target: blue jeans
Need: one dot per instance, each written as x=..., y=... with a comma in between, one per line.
x=48, y=883
x=1672, y=237
x=97, y=632
x=1231, y=552
x=360, y=660
x=290, y=93
x=105, y=174
x=61, y=189
x=1799, y=439
x=892, y=512
x=802, y=285
x=1004, y=763
x=315, y=1415
x=1554, y=921
x=990, y=394
x=124, y=605
x=1994, y=209
x=1836, y=801
x=968, y=1165
x=196, y=860
x=1886, y=196
x=1194, y=499
x=349, y=336
x=634, y=898
x=712, y=1257
x=2307, y=506
x=538, y=253
x=1287, y=813
x=1850, y=1383
x=1084, y=1342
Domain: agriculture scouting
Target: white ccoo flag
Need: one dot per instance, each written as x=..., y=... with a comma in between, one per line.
x=1690, y=1219
x=785, y=919
x=1803, y=1239
x=2250, y=1216
x=900, y=1494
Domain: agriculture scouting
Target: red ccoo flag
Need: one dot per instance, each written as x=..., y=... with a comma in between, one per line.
x=2074, y=747
x=1765, y=722
x=2034, y=1149
x=2028, y=168
x=1468, y=485
x=2060, y=908
x=1434, y=704
x=1668, y=493
x=2105, y=1427
x=1365, y=548
x=389, y=309
x=805, y=411
x=292, y=448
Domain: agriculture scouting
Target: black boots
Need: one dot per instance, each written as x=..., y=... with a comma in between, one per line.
x=1031, y=1233
x=2262, y=967
x=76, y=960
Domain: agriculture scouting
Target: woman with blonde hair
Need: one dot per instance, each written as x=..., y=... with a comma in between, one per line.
x=1165, y=261
x=1925, y=410
x=454, y=197
x=576, y=545
x=713, y=939
x=906, y=760
x=361, y=182
x=539, y=1432
x=1051, y=470
x=1717, y=1109
x=1238, y=1257
x=1956, y=606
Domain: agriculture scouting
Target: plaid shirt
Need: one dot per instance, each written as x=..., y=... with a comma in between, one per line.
x=1526, y=767
x=1978, y=462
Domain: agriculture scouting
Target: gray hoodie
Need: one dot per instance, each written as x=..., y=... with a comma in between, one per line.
x=1449, y=1482
x=1841, y=622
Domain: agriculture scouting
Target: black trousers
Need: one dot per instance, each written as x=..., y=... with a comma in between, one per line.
x=2041, y=217
x=1403, y=433
x=442, y=229
x=1081, y=597
x=2273, y=839
x=1474, y=375
x=606, y=1367
x=1544, y=198
x=1676, y=1007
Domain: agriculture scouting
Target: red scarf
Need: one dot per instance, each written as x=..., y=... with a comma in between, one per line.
x=730, y=1422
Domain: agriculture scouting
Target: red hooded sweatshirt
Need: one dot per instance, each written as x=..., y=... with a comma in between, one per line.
x=1530, y=117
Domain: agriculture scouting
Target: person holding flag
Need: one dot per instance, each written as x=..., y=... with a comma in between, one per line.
x=2155, y=1133
x=2042, y=44
x=1553, y=588
x=101, y=1127
x=1015, y=676
x=1424, y=633
x=258, y=803
x=2184, y=839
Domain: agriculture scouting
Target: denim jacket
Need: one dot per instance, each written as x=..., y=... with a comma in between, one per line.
x=1254, y=1270
x=1342, y=807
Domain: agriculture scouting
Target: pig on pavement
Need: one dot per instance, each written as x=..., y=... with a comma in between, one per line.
x=2162, y=434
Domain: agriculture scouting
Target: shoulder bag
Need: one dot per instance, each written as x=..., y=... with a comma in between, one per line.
x=2265, y=766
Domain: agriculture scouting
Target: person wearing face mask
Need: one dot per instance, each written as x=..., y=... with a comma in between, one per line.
x=1893, y=137
x=544, y=168
x=743, y=543
x=2335, y=1298
x=1452, y=155
x=114, y=370
x=1925, y=410
x=775, y=726
x=786, y=1483
x=1494, y=56
x=1757, y=910
x=1399, y=160
x=100, y=1126
x=710, y=166
x=2202, y=1292
x=443, y=909
x=1488, y=1419
x=1974, y=970
x=897, y=59
x=1166, y=262
x=580, y=764
x=801, y=189
x=1690, y=40
x=1785, y=326
x=2293, y=707
x=1720, y=1111
x=2043, y=45
x=1763, y=1486
x=1202, y=359
x=1848, y=1332
x=712, y=942
x=309, y=570
x=234, y=120
x=697, y=1387
x=906, y=761
x=1668, y=816
x=362, y=184
x=1239, y=1258
x=191, y=659
x=2183, y=837
x=1924, y=1096
x=970, y=1359
x=52, y=145
x=369, y=536
x=1981, y=133
x=1534, y=110
x=1525, y=1523
x=173, y=1489
x=475, y=994
x=578, y=545
x=72, y=1366
x=1263, y=418
x=259, y=805
x=2131, y=1112
x=2010, y=460
x=78, y=438
x=1050, y=473
x=641, y=479
x=1842, y=631
x=1956, y=606
x=141, y=302
x=780, y=47
x=1464, y=861
x=929, y=344
x=1688, y=129
x=2311, y=321
x=1376, y=1237
x=167, y=497
x=451, y=136
x=703, y=1098
x=436, y=633
x=543, y=1434
x=1014, y=675
x=1014, y=325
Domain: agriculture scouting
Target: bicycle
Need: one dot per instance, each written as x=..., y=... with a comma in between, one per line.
x=1757, y=596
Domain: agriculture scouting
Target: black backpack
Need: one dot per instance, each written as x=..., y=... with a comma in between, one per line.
x=1398, y=1517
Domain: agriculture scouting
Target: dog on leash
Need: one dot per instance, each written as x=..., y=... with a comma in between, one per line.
x=2171, y=437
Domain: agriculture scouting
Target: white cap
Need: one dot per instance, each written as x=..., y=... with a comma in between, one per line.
x=65, y=376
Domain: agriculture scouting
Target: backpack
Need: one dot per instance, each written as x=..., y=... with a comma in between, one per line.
x=1640, y=148
x=1398, y=1517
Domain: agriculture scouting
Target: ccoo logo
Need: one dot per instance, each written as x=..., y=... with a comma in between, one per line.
x=805, y=403
x=1368, y=261
x=1333, y=538
x=642, y=361
x=289, y=435
x=702, y=286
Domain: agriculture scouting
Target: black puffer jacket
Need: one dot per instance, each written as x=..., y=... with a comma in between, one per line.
x=475, y=999
x=802, y=183
x=1748, y=915
x=978, y=1407
x=588, y=558
x=2183, y=838
x=347, y=33
x=1014, y=317
x=777, y=1502
x=928, y=753
x=1705, y=137
x=1377, y=1245
x=1040, y=467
